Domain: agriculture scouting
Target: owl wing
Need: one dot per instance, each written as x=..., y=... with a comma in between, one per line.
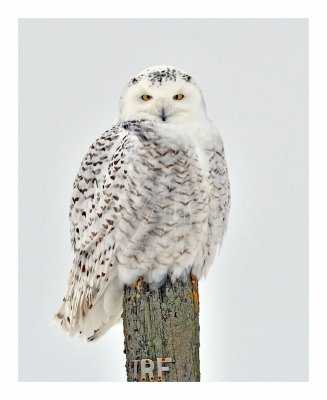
x=96, y=174
x=220, y=198
x=220, y=186
x=95, y=214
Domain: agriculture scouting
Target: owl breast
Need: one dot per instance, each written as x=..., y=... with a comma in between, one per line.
x=164, y=220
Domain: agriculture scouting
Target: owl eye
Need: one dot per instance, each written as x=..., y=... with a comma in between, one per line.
x=178, y=97
x=146, y=97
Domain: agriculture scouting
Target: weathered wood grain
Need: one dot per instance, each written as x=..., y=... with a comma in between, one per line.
x=163, y=323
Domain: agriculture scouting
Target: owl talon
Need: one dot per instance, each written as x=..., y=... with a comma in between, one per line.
x=138, y=284
x=194, y=281
x=194, y=278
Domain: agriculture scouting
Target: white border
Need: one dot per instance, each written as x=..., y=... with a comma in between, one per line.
x=316, y=388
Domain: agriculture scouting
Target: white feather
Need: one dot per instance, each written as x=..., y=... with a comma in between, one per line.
x=150, y=199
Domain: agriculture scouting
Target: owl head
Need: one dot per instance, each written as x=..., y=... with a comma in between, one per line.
x=164, y=94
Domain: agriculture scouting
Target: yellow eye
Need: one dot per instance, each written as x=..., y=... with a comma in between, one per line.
x=146, y=97
x=178, y=97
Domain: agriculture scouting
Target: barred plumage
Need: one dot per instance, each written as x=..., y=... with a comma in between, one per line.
x=151, y=198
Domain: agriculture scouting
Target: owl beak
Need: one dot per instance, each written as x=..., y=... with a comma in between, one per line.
x=163, y=114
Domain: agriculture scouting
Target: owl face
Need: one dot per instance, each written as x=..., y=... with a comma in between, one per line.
x=163, y=94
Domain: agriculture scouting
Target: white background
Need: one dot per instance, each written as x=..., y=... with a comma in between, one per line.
x=253, y=73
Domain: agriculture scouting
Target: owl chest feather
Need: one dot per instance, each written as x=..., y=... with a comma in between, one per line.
x=155, y=201
x=167, y=206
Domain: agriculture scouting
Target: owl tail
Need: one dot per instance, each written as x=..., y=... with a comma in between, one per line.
x=104, y=314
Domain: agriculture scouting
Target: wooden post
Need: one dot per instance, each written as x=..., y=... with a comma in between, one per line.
x=161, y=329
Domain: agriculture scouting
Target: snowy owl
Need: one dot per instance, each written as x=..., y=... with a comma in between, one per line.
x=151, y=199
